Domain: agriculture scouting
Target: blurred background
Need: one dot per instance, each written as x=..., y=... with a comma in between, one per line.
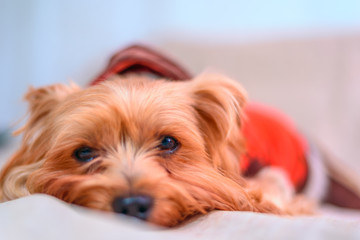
x=301, y=56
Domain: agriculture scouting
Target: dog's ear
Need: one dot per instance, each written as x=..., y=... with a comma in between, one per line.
x=43, y=100
x=28, y=157
x=219, y=103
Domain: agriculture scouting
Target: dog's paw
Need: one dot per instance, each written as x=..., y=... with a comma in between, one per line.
x=275, y=186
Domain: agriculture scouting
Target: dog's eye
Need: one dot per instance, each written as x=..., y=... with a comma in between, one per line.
x=169, y=144
x=85, y=154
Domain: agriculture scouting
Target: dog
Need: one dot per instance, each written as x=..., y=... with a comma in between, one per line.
x=159, y=150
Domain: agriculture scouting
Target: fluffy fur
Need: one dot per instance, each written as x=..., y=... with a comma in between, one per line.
x=124, y=119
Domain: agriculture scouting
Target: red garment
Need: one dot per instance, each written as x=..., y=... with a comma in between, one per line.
x=271, y=138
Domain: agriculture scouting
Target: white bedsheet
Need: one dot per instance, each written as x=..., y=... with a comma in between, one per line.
x=44, y=217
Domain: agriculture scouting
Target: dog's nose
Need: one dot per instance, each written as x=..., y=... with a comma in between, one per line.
x=136, y=206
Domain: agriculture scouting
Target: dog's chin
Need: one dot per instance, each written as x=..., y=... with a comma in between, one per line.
x=168, y=213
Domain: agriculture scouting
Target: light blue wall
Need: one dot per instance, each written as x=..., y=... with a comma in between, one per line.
x=264, y=15
x=44, y=41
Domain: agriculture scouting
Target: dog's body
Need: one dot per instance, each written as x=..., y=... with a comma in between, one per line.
x=154, y=149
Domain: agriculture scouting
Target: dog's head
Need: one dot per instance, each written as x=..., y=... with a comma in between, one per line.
x=153, y=149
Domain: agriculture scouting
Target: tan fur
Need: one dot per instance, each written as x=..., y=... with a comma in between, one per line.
x=124, y=120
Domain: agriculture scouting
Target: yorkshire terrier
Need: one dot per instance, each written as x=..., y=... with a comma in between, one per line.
x=159, y=150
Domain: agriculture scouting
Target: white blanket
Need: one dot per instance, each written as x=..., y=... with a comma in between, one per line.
x=44, y=217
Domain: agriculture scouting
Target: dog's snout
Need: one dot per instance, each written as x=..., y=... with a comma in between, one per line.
x=136, y=206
